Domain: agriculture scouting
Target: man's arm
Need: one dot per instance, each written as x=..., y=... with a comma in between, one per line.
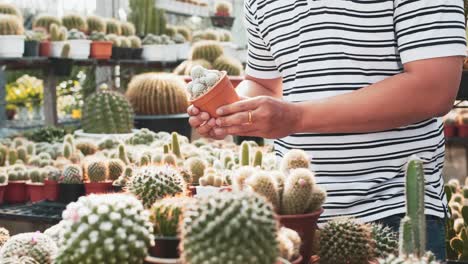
x=252, y=87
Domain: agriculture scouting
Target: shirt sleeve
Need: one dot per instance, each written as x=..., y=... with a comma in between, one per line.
x=429, y=29
x=260, y=62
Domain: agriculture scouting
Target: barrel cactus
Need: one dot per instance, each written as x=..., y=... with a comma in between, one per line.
x=72, y=174
x=87, y=148
x=107, y=112
x=113, y=26
x=212, y=230
x=11, y=25
x=9, y=9
x=73, y=21
x=128, y=29
x=185, y=68
x=110, y=228
x=39, y=247
x=386, y=241
x=207, y=50
x=166, y=214
x=44, y=21
x=96, y=171
x=232, y=66
x=157, y=94
x=116, y=168
x=96, y=24
x=151, y=183
x=196, y=167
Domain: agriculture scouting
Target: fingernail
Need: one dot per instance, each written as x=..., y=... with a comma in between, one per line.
x=218, y=122
x=219, y=111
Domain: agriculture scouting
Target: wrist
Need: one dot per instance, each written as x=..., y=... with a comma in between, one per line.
x=297, y=115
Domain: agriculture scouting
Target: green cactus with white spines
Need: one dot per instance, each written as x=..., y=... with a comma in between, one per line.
x=96, y=24
x=11, y=25
x=386, y=241
x=298, y=188
x=72, y=174
x=258, y=159
x=10, y=9
x=252, y=243
x=97, y=171
x=17, y=172
x=116, y=167
x=166, y=214
x=124, y=178
x=128, y=29
x=58, y=33
x=317, y=198
x=113, y=27
x=38, y=247
x=37, y=175
x=295, y=159
x=110, y=228
x=12, y=156
x=392, y=259
x=265, y=185
x=87, y=148
x=206, y=50
x=145, y=160
x=74, y=22
x=67, y=150
x=155, y=182
x=211, y=178
x=3, y=154
x=244, y=155
x=196, y=167
x=169, y=159
x=232, y=66
x=45, y=21
x=175, y=145
x=22, y=154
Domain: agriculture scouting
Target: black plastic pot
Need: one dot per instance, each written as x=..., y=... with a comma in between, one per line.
x=62, y=66
x=117, y=189
x=165, y=247
x=136, y=53
x=222, y=21
x=70, y=192
x=31, y=48
x=456, y=262
x=116, y=53
x=168, y=123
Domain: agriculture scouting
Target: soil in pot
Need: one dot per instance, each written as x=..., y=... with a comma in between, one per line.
x=35, y=192
x=31, y=48
x=51, y=190
x=62, y=66
x=305, y=225
x=101, y=50
x=165, y=247
x=70, y=192
x=2, y=193
x=15, y=192
x=98, y=187
x=44, y=49
x=222, y=93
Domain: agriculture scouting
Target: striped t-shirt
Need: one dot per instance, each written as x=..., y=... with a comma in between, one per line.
x=323, y=48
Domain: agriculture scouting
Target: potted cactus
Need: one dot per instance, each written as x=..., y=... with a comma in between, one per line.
x=222, y=15
x=29, y=248
x=32, y=43
x=159, y=48
x=97, y=175
x=3, y=184
x=125, y=47
x=51, y=187
x=166, y=214
x=15, y=191
x=11, y=36
x=62, y=65
x=73, y=21
x=35, y=185
x=113, y=27
x=79, y=46
x=210, y=89
x=101, y=47
x=71, y=184
x=45, y=21
x=58, y=37
x=128, y=29
x=96, y=24
x=136, y=46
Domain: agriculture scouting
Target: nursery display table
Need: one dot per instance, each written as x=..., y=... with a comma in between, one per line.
x=20, y=218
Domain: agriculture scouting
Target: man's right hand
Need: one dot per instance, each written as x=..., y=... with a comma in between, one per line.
x=202, y=122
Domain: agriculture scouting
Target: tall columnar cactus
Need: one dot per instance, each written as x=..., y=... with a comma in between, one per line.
x=295, y=159
x=244, y=155
x=11, y=25
x=107, y=112
x=258, y=159
x=96, y=24
x=9, y=9
x=65, y=51
x=110, y=228
x=113, y=27
x=147, y=18
x=123, y=154
x=207, y=50
x=157, y=94
x=232, y=66
x=353, y=241
x=252, y=243
x=196, y=167
x=97, y=171
x=36, y=246
x=3, y=155
x=45, y=21
x=73, y=21
x=166, y=214
x=211, y=178
x=22, y=154
x=72, y=174
x=155, y=182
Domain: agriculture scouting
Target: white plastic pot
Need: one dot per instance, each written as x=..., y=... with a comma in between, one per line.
x=206, y=190
x=12, y=46
x=183, y=51
x=80, y=48
x=56, y=48
x=80, y=134
x=157, y=52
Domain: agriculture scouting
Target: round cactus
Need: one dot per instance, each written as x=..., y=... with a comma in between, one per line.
x=206, y=50
x=155, y=182
x=73, y=21
x=113, y=26
x=251, y=243
x=107, y=112
x=264, y=184
x=184, y=31
x=351, y=239
x=142, y=137
x=297, y=191
x=110, y=228
x=289, y=244
x=166, y=215
x=185, y=68
x=11, y=25
x=96, y=24
x=9, y=9
x=96, y=171
x=39, y=247
x=211, y=178
x=87, y=148
x=4, y=236
x=386, y=241
x=72, y=174
x=157, y=94
x=116, y=168
x=232, y=66
x=128, y=29
x=295, y=159
x=196, y=167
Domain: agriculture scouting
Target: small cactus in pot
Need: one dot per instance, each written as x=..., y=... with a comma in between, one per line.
x=71, y=185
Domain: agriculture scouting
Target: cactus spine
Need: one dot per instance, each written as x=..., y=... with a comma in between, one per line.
x=38, y=247
x=12, y=156
x=297, y=192
x=265, y=185
x=232, y=66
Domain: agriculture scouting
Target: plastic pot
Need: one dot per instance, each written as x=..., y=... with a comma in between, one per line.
x=136, y=53
x=101, y=50
x=305, y=225
x=222, y=21
x=165, y=247
x=12, y=46
x=116, y=53
x=36, y=192
x=450, y=130
x=61, y=66
x=127, y=53
x=51, y=190
x=117, y=189
x=31, y=48
x=70, y=192
x=15, y=192
x=168, y=123
x=222, y=93
x=44, y=48
x=2, y=193
x=159, y=52
x=80, y=48
x=98, y=187
x=56, y=48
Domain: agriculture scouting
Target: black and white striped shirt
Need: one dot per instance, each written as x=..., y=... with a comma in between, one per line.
x=323, y=48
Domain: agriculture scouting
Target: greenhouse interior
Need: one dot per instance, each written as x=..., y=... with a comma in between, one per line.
x=233, y=131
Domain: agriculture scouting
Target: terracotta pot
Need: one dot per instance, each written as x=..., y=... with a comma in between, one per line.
x=35, y=192
x=305, y=225
x=450, y=131
x=51, y=190
x=101, y=50
x=462, y=130
x=70, y=192
x=165, y=247
x=2, y=193
x=44, y=48
x=222, y=93
x=192, y=190
x=15, y=192
x=98, y=187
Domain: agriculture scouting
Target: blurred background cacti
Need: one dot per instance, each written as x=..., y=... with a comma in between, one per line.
x=38, y=247
x=45, y=21
x=96, y=24
x=147, y=18
x=206, y=50
x=11, y=25
x=73, y=21
x=9, y=9
x=166, y=214
x=113, y=27
x=128, y=29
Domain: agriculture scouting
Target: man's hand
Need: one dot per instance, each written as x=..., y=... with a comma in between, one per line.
x=202, y=122
x=270, y=118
